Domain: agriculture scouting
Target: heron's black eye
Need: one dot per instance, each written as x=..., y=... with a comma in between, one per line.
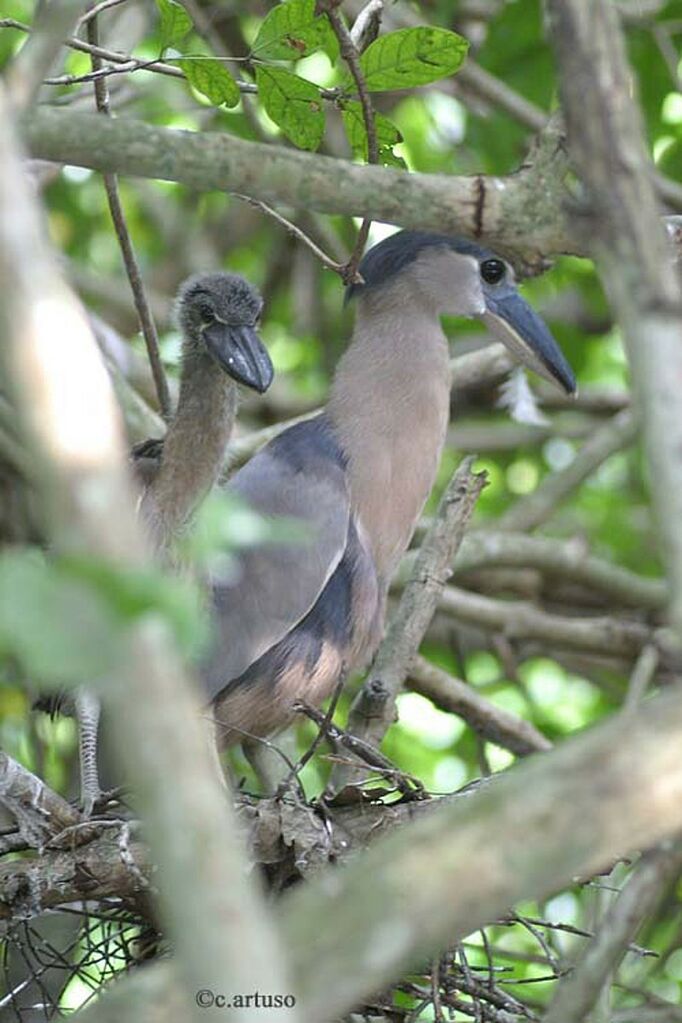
x=206, y=313
x=493, y=270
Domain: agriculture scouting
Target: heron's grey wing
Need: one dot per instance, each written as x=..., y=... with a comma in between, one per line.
x=299, y=476
x=145, y=459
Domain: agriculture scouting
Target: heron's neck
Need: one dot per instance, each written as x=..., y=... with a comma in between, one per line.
x=194, y=447
x=390, y=408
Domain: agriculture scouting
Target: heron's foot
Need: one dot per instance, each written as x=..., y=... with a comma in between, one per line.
x=94, y=801
x=91, y=793
x=267, y=765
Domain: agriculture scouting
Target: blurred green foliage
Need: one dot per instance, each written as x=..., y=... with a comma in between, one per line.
x=58, y=621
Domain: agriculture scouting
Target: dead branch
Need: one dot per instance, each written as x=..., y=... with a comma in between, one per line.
x=373, y=709
x=578, y=991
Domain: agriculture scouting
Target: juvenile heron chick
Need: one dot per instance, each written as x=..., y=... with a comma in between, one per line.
x=218, y=316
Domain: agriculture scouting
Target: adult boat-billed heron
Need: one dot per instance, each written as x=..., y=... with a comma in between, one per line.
x=357, y=476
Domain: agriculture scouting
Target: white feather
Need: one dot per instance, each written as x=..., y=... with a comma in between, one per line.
x=517, y=397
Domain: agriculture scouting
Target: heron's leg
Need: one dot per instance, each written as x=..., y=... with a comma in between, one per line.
x=271, y=764
x=87, y=712
x=212, y=734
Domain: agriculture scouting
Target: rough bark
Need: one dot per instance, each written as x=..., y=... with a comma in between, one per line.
x=527, y=833
x=68, y=414
x=521, y=215
x=621, y=226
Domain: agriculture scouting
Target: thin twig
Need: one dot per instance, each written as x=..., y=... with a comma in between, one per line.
x=579, y=932
x=435, y=992
x=103, y=73
x=472, y=984
x=296, y=231
x=322, y=733
x=94, y=11
x=406, y=783
x=127, y=62
x=579, y=990
x=127, y=251
x=352, y=59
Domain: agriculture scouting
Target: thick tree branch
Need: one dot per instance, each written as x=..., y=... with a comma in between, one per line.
x=521, y=215
x=490, y=722
x=65, y=403
x=627, y=240
x=525, y=834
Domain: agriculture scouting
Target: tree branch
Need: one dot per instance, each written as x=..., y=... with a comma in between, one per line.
x=125, y=242
x=514, y=214
x=64, y=400
x=53, y=22
x=622, y=229
x=524, y=621
x=533, y=510
x=492, y=723
x=568, y=559
x=352, y=58
x=618, y=787
x=374, y=709
x=579, y=990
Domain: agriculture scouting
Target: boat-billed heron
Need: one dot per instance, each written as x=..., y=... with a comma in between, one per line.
x=217, y=315
x=357, y=476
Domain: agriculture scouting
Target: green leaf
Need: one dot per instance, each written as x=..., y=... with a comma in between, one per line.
x=291, y=31
x=389, y=159
x=386, y=132
x=211, y=79
x=294, y=104
x=131, y=594
x=412, y=56
x=57, y=628
x=326, y=38
x=224, y=524
x=175, y=22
